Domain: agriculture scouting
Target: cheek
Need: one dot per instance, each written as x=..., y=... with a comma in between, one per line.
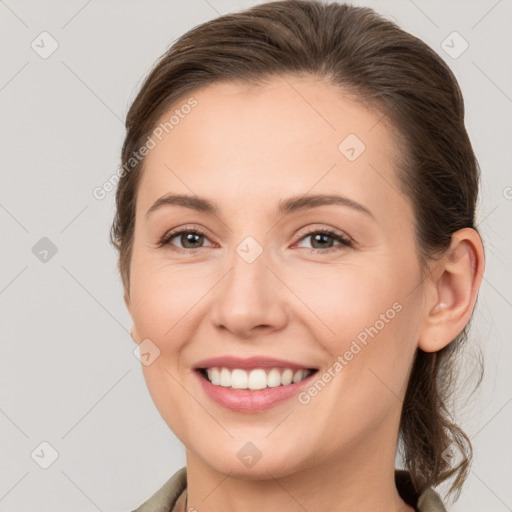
x=162, y=310
x=378, y=344
x=346, y=298
x=163, y=297
x=366, y=318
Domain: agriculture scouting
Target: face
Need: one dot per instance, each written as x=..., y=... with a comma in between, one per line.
x=273, y=285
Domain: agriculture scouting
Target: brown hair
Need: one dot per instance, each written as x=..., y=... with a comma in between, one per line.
x=398, y=74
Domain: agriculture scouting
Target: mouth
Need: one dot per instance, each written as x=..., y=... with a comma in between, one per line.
x=255, y=379
x=252, y=390
x=251, y=385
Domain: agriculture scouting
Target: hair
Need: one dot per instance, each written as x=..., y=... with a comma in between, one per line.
x=399, y=76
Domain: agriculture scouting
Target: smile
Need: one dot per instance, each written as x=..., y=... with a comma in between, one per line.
x=256, y=379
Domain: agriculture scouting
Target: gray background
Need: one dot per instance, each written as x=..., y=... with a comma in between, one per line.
x=68, y=375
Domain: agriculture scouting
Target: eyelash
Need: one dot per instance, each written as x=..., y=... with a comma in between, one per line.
x=344, y=240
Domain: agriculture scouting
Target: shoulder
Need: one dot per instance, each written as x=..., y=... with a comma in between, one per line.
x=429, y=501
x=426, y=501
x=165, y=498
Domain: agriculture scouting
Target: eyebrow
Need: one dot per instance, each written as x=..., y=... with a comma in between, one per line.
x=285, y=207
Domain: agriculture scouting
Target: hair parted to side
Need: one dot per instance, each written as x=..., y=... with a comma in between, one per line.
x=387, y=68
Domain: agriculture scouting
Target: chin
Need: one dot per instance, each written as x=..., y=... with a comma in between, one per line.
x=249, y=463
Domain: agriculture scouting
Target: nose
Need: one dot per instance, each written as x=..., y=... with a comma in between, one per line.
x=250, y=300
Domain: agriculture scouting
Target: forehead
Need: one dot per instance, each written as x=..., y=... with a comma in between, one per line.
x=282, y=138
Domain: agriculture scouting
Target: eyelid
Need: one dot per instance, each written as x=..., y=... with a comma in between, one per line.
x=344, y=239
x=172, y=233
x=328, y=230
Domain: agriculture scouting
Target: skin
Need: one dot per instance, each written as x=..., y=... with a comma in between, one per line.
x=246, y=148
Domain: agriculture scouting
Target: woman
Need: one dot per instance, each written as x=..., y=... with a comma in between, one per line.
x=296, y=233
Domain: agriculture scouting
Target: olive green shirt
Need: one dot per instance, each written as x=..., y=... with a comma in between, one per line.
x=171, y=496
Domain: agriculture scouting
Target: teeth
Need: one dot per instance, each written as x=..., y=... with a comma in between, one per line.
x=239, y=379
x=213, y=375
x=298, y=376
x=287, y=377
x=255, y=379
x=225, y=378
x=274, y=378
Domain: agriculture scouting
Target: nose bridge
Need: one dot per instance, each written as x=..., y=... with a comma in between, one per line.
x=247, y=297
x=248, y=282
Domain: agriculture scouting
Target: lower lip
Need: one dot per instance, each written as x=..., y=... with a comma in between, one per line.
x=245, y=400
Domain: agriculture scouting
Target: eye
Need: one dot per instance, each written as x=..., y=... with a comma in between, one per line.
x=190, y=239
x=193, y=239
x=322, y=240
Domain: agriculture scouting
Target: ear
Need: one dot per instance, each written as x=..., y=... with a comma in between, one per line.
x=135, y=335
x=133, y=332
x=453, y=287
x=127, y=300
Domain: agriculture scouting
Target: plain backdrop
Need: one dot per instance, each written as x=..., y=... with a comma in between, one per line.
x=68, y=375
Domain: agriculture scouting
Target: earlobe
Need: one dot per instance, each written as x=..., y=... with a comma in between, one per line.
x=134, y=335
x=133, y=331
x=458, y=276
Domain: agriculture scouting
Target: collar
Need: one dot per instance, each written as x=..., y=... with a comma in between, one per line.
x=171, y=496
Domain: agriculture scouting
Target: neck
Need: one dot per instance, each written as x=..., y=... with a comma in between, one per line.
x=359, y=479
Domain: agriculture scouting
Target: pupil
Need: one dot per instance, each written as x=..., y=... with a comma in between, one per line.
x=319, y=236
x=189, y=238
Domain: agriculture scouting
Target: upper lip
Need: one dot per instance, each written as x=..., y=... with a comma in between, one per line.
x=250, y=362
